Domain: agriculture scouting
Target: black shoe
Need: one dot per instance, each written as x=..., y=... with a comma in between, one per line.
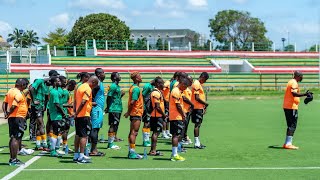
x=200, y=147
x=15, y=162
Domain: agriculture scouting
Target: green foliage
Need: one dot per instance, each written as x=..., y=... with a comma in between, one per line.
x=141, y=44
x=57, y=38
x=237, y=27
x=289, y=48
x=313, y=48
x=98, y=26
x=159, y=44
x=27, y=39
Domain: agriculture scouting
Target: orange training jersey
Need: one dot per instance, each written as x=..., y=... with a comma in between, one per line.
x=166, y=91
x=290, y=102
x=84, y=93
x=135, y=93
x=197, y=89
x=156, y=97
x=186, y=93
x=16, y=98
x=175, y=97
x=70, y=101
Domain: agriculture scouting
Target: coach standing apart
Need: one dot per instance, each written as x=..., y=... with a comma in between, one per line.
x=16, y=102
x=290, y=106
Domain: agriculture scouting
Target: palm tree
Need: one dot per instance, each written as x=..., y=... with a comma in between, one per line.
x=15, y=38
x=30, y=38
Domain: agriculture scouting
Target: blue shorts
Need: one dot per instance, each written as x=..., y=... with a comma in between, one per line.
x=97, y=117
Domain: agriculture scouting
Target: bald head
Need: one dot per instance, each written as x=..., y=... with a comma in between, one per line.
x=93, y=81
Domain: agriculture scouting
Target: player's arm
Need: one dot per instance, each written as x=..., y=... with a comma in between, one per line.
x=83, y=102
x=186, y=100
x=4, y=108
x=109, y=97
x=296, y=94
x=60, y=109
x=179, y=107
x=46, y=99
x=158, y=108
x=294, y=91
x=132, y=102
x=31, y=92
x=197, y=98
x=135, y=97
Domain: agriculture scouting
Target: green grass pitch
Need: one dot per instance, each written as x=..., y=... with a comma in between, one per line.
x=236, y=131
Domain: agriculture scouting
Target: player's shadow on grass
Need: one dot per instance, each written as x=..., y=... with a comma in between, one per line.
x=275, y=147
x=117, y=157
x=161, y=159
x=4, y=164
x=168, y=150
x=5, y=153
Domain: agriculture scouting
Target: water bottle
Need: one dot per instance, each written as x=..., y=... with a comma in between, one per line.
x=66, y=150
x=87, y=149
x=71, y=122
x=145, y=156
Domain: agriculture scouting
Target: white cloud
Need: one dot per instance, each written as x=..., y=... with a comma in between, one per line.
x=5, y=29
x=167, y=4
x=240, y=1
x=97, y=4
x=8, y=1
x=305, y=28
x=136, y=13
x=60, y=20
x=198, y=3
x=176, y=14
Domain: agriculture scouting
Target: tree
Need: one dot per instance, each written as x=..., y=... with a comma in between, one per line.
x=289, y=48
x=237, y=27
x=141, y=44
x=57, y=38
x=100, y=27
x=314, y=48
x=16, y=38
x=159, y=44
x=27, y=39
x=31, y=38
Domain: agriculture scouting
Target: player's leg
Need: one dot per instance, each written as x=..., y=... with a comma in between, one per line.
x=197, y=118
x=54, y=138
x=16, y=132
x=186, y=139
x=85, y=129
x=176, y=131
x=146, y=130
x=134, y=129
x=292, y=119
x=156, y=125
x=114, y=120
x=32, y=125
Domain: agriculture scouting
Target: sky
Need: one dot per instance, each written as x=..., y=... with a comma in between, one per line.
x=297, y=19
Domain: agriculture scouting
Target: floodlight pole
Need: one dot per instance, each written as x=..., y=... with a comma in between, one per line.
x=21, y=33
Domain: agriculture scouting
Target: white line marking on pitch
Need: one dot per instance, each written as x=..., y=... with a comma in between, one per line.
x=28, y=163
x=183, y=169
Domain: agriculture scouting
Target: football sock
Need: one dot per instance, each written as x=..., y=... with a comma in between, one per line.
x=196, y=141
x=58, y=142
x=145, y=134
x=289, y=140
x=53, y=141
x=81, y=155
x=174, y=151
x=38, y=141
x=76, y=155
x=132, y=148
x=110, y=138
